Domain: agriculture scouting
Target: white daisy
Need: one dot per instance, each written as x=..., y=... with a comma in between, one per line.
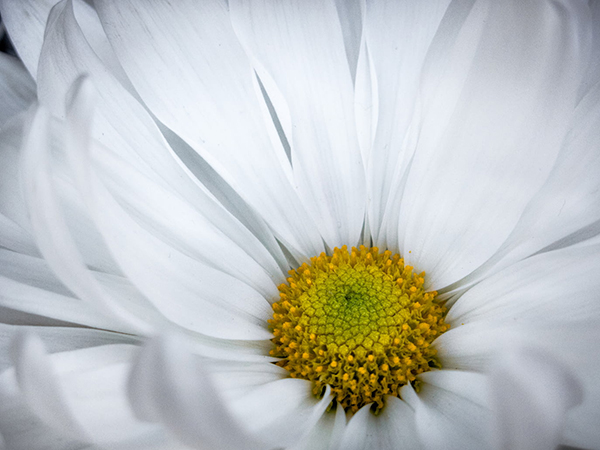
x=165, y=164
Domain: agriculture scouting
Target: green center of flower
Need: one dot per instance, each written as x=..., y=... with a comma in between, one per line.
x=359, y=322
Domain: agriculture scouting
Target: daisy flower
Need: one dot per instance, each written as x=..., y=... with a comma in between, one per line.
x=300, y=224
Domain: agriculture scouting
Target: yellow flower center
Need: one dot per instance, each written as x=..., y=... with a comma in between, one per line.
x=359, y=322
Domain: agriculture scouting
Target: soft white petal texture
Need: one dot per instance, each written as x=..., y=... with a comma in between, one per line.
x=12, y=204
x=350, y=13
x=551, y=286
x=300, y=46
x=52, y=235
x=476, y=346
x=190, y=70
x=21, y=429
x=393, y=428
x=17, y=89
x=28, y=285
x=80, y=392
x=126, y=128
x=565, y=210
x=162, y=272
x=326, y=434
x=531, y=392
x=59, y=339
x=169, y=385
x=593, y=69
x=491, y=128
x=25, y=21
x=398, y=35
x=15, y=238
x=449, y=410
x=282, y=412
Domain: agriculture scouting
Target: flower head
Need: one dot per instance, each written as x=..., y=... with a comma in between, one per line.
x=300, y=224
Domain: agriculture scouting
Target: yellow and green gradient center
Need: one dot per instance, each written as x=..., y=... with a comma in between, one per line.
x=359, y=322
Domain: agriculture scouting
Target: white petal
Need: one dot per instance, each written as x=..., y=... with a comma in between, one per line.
x=28, y=285
x=169, y=385
x=535, y=290
x=531, y=393
x=17, y=89
x=281, y=412
x=146, y=259
x=394, y=427
x=191, y=233
x=59, y=339
x=12, y=203
x=566, y=209
x=15, y=238
x=48, y=223
x=81, y=393
x=398, y=35
x=195, y=78
x=187, y=292
x=491, y=129
x=449, y=410
x=326, y=434
x=300, y=45
x=125, y=127
x=593, y=70
x=25, y=21
x=21, y=429
x=475, y=347
x=350, y=14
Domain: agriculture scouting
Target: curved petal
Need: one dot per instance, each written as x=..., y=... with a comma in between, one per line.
x=163, y=273
x=394, y=427
x=195, y=77
x=450, y=411
x=531, y=392
x=21, y=429
x=476, y=346
x=534, y=290
x=566, y=208
x=25, y=21
x=80, y=392
x=490, y=130
x=17, y=89
x=398, y=36
x=326, y=434
x=125, y=127
x=168, y=385
x=53, y=237
x=300, y=46
x=28, y=285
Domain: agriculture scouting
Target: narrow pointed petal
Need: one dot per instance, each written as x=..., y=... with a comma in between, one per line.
x=123, y=126
x=398, y=36
x=300, y=46
x=196, y=78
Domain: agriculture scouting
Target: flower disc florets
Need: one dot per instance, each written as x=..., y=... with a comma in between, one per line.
x=359, y=322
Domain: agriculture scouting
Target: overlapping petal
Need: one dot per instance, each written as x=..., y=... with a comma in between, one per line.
x=226, y=141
